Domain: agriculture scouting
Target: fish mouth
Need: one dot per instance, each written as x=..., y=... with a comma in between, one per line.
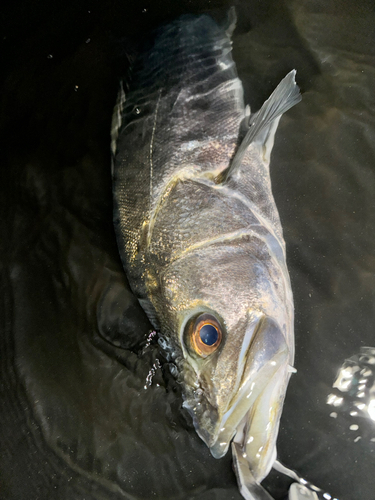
x=252, y=416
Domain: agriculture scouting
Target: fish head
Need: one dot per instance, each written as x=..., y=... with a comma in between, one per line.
x=227, y=308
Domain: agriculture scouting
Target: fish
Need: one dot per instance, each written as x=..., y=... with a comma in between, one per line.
x=200, y=237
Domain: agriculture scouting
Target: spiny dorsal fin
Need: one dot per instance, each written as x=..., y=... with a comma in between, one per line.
x=282, y=98
x=231, y=21
x=117, y=118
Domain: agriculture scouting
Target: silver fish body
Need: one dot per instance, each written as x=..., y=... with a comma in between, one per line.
x=199, y=234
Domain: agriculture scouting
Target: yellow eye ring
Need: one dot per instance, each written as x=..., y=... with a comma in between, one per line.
x=206, y=335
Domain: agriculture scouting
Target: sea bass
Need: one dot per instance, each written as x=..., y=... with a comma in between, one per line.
x=200, y=236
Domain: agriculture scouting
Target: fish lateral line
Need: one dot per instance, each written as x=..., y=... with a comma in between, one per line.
x=284, y=97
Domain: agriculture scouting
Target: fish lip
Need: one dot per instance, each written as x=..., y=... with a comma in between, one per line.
x=220, y=443
x=261, y=368
x=250, y=336
x=239, y=428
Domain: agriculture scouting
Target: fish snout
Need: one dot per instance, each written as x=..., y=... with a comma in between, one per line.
x=252, y=416
x=240, y=398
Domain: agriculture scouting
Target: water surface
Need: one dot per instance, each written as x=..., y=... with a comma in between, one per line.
x=76, y=418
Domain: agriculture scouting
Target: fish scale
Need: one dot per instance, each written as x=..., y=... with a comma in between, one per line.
x=167, y=76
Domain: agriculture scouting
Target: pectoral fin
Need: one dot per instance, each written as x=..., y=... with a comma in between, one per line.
x=263, y=124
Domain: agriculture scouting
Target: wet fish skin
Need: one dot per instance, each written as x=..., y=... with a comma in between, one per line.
x=199, y=232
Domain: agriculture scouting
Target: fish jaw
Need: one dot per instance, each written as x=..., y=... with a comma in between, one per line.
x=256, y=435
x=251, y=417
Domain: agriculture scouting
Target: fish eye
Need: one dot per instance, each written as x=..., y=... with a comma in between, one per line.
x=205, y=335
x=209, y=334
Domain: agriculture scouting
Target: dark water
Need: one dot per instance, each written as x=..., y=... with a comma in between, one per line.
x=76, y=419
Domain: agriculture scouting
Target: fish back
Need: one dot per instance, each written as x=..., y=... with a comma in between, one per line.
x=181, y=116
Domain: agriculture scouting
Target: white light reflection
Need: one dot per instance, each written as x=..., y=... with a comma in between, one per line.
x=371, y=409
x=344, y=379
x=359, y=405
x=334, y=400
x=353, y=393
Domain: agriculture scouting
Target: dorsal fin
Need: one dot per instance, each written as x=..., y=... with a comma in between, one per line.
x=117, y=118
x=231, y=21
x=282, y=98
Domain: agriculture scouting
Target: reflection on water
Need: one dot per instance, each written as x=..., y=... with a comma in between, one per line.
x=354, y=393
